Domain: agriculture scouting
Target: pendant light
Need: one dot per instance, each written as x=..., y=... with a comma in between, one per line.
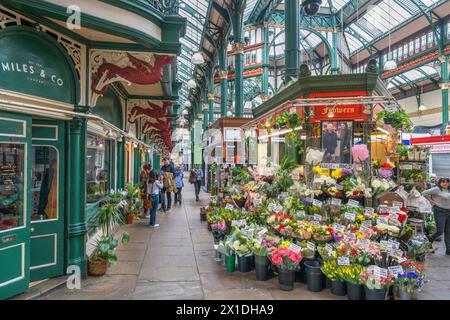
x=422, y=107
x=185, y=112
x=390, y=64
x=191, y=84
x=187, y=104
x=197, y=57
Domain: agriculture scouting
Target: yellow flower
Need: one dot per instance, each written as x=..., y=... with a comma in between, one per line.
x=359, y=217
x=321, y=171
x=336, y=174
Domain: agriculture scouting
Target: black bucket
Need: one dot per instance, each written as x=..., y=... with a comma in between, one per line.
x=338, y=288
x=327, y=283
x=300, y=275
x=314, y=276
x=286, y=279
x=375, y=294
x=262, y=268
x=245, y=264
x=355, y=291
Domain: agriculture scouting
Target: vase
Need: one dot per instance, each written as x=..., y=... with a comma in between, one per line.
x=405, y=295
x=314, y=276
x=375, y=294
x=262, y=268
x=286, y=279
x=338, y=288
x=231, y=263
x=245, y=264
x=354, y=291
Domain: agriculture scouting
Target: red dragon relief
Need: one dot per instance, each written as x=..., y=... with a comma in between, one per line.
x=155, y=111
x=140, y=72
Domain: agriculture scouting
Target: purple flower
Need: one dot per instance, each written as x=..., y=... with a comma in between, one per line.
x=385, y=173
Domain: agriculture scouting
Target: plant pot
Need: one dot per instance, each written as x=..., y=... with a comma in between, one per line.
x=404, y=295
x=375, y=294
x=314, y=276
x=286, y=279
x=423, y=155
x=209, y=227
x=411, y=155
x=417, y=155
x=97, y=267
x=245, y=264
x=262, y=268
x=231, y=263
x=328, y=283
x=240, y=203
x=355, y=291
x=202, y=214
x=130, y=219
x=300, y=276
x=338, y=288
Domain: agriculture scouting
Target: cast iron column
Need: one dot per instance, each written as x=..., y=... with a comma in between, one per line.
x=120, y=164
x=76, y=188
x=292, y=40
x=444, y=90
x=265, y=76
x=223, y=75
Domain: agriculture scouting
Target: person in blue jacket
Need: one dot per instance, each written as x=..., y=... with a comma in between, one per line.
x=179, y=183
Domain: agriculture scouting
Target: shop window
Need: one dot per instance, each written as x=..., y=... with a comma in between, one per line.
x=44, y=183
x=423, y=41
x=12, y=178
x=97, y=171
x=430, y=40
x=411, y=48
x=417, y=45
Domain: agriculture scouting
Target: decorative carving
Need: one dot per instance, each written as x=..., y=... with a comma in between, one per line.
x=223, y=74
x=304, y=71
x=372, y=66
x=205, y=106
x=264, y=98
x=238, y=47
x=210, y=96
x=144, y=108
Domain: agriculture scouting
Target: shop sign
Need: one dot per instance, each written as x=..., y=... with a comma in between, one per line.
x=340, y=112
x=440, y=148
x=33, y=63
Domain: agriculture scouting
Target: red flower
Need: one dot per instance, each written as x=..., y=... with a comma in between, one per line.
x=402, y=218
x=404, y=210
x=354, y=229
x=330, y=229
x=384, y=213
x=281, y=227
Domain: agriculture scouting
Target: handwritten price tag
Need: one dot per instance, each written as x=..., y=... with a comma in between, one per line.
x=368, y=212
x=380, y=272
x=343, y=261
x=338, y=227
x=350, y=216
x=239, y=223
x=311, y=246
x=394, y=244
x=229, y=206
x=363, y=242
x=336, y=202
x=353, y=203
x=395, y=270
x=295, y=248
x=301, y=213
x=329, y=248
x=296, y=176
x=262, y=233
x=317, y=203
x=257, y=202
x=317, y=217
x=366, y=224
x=339, y=187
x=382, y=220
x=385, y=244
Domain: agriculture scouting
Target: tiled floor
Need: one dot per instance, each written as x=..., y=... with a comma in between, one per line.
x=175, y=261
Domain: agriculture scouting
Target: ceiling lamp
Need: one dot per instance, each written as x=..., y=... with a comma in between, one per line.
x=191, y=84
x=185, y=112
x=229, y=113
x=187, y=104
x=331, y=113
x=197, y=58
x=390, y=65
x=422, y=107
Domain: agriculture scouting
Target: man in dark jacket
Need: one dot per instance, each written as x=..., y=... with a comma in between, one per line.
x=330, y=139
x=169, y=168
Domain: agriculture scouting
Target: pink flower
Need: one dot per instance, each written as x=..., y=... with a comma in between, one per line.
x=360, y=152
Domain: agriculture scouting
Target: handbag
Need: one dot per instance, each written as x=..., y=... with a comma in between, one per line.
x=148, y=205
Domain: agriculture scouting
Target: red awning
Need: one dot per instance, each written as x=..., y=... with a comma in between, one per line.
x=430, y=140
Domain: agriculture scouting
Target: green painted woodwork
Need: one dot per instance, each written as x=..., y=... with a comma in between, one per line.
x=239, y=85
x=265, y=77
x=34, y=63
x=44, y=132
x=292, y=40
x=223, y=82
x=109, y=108
x=76, y=195
x=156, y=161
x=120, y=165
x=444, y=79
x=12, y=127
x=136, y=166
x=327, y=83
x=15, y=254
x=48, y=236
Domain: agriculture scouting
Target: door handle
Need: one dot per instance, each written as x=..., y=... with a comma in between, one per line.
x=32, y=230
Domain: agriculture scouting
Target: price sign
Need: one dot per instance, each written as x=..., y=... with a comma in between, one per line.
x=239, y=223
x=343, y=261
x=349, y=237
x=317, y=203
x=380, y=272
x=257, y=202
x=329, y=248
x=394, y=209
x=383, y=208
x=339, y=187
x=338, y=227
x=272, y=206
x=284, y=194
x=317, y=217
x=397, y=204
x=353, y=203
x=368, y=212
x=382, y=220
x=366, y=224
x=262, y=233
x=393, y=217
x=296, y=176
x=278, y=208
x=301, y=213
x=316, y=223
x=363, y=242
x=311, y=246
x=336, y=202
x=295, y=248
x=350, y=216
x=394, y=244
x=229, y=206
x=395, y=270
x=386, y=244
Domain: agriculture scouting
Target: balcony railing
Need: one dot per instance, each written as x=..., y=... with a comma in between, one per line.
x=166, y=7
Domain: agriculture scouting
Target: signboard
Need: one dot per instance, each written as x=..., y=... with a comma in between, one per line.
x=33, y=63
x=340, y=112
x=232, y=134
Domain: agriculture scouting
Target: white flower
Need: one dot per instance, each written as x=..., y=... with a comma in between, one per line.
x=385, y=185
x=314, y=157
x=376, y=183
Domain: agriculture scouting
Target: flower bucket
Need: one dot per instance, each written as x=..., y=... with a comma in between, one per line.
x=245, y=264
x=262, y=268
x=423, y=155
x=355, y=291
x=338, y=288
x=240, y=203
x=314, y=276
x=405, y=295
x=230, y=262
x=328, y=283
x=411, y=155
x=286, y=279
x=300, y=276
x=375, y=294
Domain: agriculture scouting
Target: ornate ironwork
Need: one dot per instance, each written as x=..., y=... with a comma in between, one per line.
x=166, y=7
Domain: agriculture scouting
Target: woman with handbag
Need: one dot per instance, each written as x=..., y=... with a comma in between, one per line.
x=154, y=187
x=143, y=179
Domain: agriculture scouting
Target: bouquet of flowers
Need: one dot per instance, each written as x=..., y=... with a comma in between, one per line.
x=219, y=231
x=330, y=269
x=314, y=157
x=354, y=273
x=386, y=170
x=241, y=246
x=410, y=281
x=322, y=233
x=376, y=281
x=285, y=259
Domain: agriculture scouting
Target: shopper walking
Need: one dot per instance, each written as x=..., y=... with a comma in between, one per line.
x=439, y=198
x=179, y=183
x=168, y=172
x=198, y=174
x=143, y=180
x=154, y=186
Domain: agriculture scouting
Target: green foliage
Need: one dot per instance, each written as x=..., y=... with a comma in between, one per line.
x=107, y=216
x=106, y=248
x=400, y=119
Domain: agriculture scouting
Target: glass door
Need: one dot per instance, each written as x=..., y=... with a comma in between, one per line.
x=47, y=200
x=15, y=148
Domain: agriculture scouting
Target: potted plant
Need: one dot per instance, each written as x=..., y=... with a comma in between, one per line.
x=376, y=285
x=241, y=249
x=134, y=204
x=353, y=275
x=261, y=248
x=287, y=262
x=105, y=254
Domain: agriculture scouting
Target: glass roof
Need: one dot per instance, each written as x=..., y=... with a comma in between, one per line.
x=411, y=77
x=195, y=13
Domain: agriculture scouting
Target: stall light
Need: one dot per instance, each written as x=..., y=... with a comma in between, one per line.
x=330, y=114
x=135, y=145
x=279, y=133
